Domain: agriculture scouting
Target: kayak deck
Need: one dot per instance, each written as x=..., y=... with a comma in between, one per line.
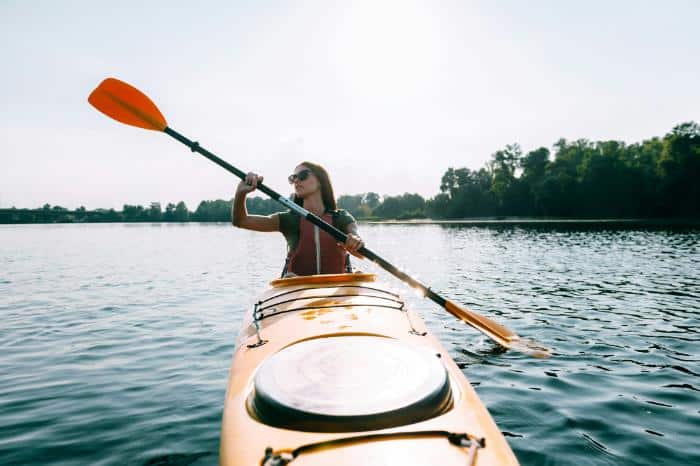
x=349, y=308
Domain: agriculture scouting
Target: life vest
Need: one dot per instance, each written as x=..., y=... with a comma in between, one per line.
x=317, y=252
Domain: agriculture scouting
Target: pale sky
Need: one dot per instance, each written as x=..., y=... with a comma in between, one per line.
x=386, y=94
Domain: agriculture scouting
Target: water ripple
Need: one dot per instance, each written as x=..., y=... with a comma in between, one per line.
x=120, y=354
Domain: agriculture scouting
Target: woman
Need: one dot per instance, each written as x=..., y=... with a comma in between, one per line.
x=309, y=251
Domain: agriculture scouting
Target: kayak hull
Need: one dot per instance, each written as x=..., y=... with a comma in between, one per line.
x=348, y=305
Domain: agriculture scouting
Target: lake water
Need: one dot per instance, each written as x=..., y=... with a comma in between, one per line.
x=116, y=339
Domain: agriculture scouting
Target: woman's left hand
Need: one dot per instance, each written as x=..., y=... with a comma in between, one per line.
x=352, y=244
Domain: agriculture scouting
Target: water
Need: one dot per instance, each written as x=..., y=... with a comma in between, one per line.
x=115, y=340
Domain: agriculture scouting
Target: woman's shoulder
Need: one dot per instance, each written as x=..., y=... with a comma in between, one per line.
x=342, y=218
x=288, y=221
x=343, y=213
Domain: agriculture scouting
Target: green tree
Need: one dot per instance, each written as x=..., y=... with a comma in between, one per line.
x=534, y=166
x=181, y=213
x=213, y=211
x=448, y=183
x=169, y=215
x=606, y=181
x=372, y=200
x=473, y=196
x=438, y=206
x=507, y=190
x=134, y=213
x=389, y=208
x=680, y=170
x=404, y=206
x=560, y=190
x=351, y=203
x=112, y=215
x=154, y=213
x=644, y=159
x=80, y=214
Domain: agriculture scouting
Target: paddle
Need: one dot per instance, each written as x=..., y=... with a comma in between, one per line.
x=125, y=103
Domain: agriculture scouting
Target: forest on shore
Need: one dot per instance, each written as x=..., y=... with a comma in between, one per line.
x=655, y=178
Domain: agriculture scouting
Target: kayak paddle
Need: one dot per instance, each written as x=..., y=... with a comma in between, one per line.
x=126, y=104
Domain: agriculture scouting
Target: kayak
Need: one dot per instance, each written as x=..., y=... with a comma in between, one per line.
x=335, y=369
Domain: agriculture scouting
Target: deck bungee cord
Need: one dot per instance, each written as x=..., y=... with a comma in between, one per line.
x=283, y=457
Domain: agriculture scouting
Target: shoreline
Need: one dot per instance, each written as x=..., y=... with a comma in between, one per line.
x=483, y=221
x=539, y=221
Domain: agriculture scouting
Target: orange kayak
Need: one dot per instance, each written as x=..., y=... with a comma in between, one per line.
x=335, y=370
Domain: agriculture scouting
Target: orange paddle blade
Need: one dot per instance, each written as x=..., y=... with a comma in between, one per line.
x=126, y=104
x=497, y=332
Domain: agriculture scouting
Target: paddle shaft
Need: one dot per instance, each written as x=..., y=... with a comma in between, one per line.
x=316, y=220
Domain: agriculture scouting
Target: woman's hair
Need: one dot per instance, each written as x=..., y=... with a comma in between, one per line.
x=326, y=187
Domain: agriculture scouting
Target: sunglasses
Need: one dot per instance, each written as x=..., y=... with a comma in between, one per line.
x=301, y=176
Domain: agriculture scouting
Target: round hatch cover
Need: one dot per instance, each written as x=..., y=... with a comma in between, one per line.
x=349, y=383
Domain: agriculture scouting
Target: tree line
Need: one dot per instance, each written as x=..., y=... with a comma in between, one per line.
x=207, y=211
x=129, y=213
x=655, y=178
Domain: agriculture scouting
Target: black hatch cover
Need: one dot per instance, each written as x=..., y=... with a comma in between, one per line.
x=349, y=384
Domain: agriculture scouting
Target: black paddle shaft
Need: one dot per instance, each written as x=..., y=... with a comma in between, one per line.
x=315, y=219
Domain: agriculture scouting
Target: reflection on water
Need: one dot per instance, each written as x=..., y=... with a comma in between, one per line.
x=116, y=339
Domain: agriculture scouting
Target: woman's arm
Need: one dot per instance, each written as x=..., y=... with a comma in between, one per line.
x=239, y=213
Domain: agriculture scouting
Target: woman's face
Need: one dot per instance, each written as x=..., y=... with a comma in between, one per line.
x=308, y=186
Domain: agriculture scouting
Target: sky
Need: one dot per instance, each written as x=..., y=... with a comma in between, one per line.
x=386, y=94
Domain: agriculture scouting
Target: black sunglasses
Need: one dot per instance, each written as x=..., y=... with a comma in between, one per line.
x=301, y=176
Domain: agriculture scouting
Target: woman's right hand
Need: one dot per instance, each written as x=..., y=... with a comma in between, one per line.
x=249, y=184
